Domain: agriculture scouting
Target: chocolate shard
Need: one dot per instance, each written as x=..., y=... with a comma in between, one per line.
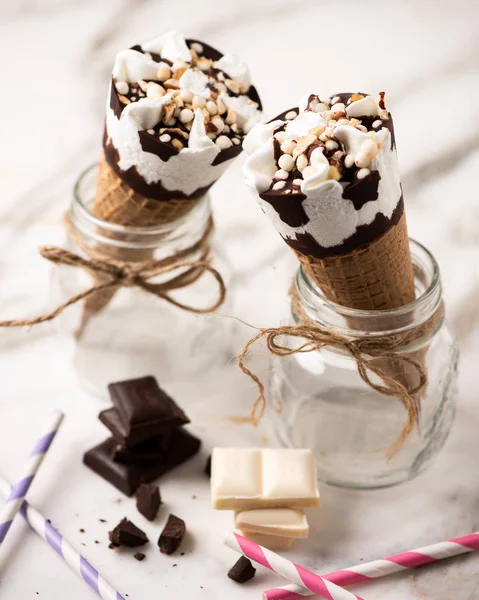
x=139, y=556
x=242, y=571
x=148, y=500
x=127, y=478
x=172, y=535
x=127, y=534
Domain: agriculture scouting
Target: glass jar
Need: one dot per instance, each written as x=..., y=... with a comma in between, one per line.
x=318, y=399
x=137, y=333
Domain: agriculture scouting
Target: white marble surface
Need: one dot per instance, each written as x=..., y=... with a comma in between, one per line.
x=56, y=56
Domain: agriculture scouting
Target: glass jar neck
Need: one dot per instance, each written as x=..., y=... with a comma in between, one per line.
x=351, y=322
x=161, y=241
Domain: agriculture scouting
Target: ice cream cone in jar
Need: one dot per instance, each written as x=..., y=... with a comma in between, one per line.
x=327, y=177
x=177, y=112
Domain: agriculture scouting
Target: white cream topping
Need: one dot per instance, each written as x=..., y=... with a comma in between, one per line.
x=247, y=113
x=131, y=65
x=170, y=45
x=233, y=66
x=332, y=218
x=192, y=167
x=196, y=82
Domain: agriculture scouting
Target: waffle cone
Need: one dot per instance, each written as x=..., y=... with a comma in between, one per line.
x=116, y=202
x=374, y=277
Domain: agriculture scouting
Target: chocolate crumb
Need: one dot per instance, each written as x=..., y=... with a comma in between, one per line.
x=182, y=554
x=102, y=520
x=242, y=571
x=97, y=542
x=139, y=556
x=127, y=534
x=172, y=535
x=112, y=546
x=82, y=544
x=82, y=530
x=48, y=521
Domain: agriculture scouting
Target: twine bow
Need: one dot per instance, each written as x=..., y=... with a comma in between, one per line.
x=373, y=356
x=120, y=274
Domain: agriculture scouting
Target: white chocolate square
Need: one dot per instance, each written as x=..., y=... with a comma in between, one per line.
x=249, y=478
x=235, y=475
x=272, y=542
x=285, y=522
x=289, y=475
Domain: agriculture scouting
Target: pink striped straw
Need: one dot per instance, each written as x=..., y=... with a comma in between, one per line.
x=385, y=566
x=315, y=583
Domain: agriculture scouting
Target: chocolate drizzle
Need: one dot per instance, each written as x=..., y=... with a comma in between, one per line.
x=304, y=243
x=361, y=191
x=131, y=176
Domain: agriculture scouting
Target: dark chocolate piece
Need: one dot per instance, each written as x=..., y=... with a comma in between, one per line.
x=242, y=571
x=208, y=466
x=127, y=534
x=127, y=478
x=148, y=500
x=139, y=435
x=147, y=454
x=172, y=535
x=139, y=556
x=141, y=401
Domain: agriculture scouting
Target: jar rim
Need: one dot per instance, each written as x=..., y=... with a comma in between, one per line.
x=425, y=303
x=80, y=209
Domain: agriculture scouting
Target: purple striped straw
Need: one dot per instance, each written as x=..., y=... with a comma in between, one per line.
x=72, y=557
x=20, y=489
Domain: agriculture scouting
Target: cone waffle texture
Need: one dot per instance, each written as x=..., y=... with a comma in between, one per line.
x=374, y=277
x=116, y=202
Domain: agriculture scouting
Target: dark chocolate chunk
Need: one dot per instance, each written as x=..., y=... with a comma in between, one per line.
x=140, y=401
x=172, y=535
x=139, y=556
x=127, y=534
x=146, y=454
x=148, y=500
x=242, y=571
x=208, y=466
x=127, y=478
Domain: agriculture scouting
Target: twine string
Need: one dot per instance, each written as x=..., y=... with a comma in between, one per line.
x=124, y=274
x=364, y=351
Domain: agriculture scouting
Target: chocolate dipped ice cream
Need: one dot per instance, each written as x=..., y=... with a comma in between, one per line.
x=176, y=116
x=327, y=177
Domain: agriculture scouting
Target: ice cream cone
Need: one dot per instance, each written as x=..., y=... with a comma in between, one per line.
x=327, y=176
x=177, y=112
x=377, y=276
x=116, y=202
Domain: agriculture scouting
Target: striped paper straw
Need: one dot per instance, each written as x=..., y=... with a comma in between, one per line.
x=315, y=583
x=385, y=566
x=20, y=489
x=74, y=559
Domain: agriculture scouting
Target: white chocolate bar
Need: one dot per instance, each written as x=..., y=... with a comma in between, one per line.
x=246, y=478
x=285, y=522
x=272, y=542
